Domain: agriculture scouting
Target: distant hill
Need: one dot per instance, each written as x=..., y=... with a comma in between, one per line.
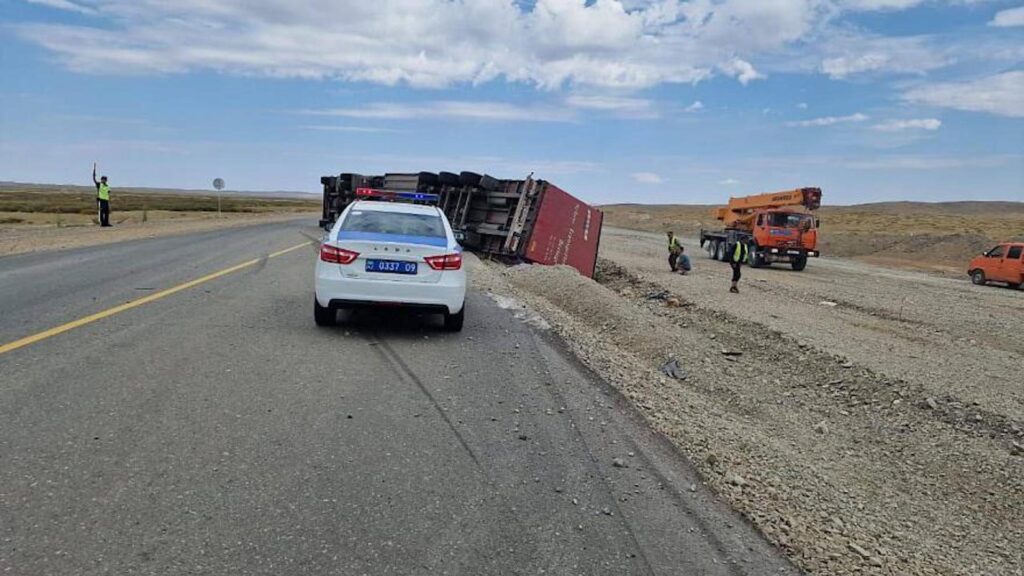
x=970, y=207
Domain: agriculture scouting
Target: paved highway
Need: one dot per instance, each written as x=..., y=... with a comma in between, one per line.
x=167, y=406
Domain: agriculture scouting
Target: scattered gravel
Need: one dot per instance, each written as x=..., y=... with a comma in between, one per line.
x=818, y=456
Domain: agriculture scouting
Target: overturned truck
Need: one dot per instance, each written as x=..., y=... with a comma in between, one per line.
x=524, y=220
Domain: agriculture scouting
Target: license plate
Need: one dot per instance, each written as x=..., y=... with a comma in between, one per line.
x=391, y=266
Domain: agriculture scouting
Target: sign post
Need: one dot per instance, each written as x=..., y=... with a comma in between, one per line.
x=218, y=183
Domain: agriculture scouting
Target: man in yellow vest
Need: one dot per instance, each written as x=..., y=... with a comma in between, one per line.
x=102, y=197
x=674, y=250
x=737, y=256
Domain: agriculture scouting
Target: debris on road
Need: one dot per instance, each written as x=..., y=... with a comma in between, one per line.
x=673, y=369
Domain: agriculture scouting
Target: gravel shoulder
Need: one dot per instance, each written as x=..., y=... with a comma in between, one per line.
x=23, y=238
x=879, y=433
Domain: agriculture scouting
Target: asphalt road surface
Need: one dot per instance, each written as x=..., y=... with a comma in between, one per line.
x=212, y=428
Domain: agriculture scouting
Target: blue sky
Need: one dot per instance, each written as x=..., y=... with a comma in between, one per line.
x=660, y=101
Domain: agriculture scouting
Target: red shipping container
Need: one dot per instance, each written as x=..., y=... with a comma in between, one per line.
x=566, y=231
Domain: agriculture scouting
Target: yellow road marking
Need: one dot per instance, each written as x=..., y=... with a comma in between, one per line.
x=136, y=303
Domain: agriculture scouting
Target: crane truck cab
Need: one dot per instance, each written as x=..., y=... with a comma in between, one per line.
x=1002, y=263
x=777, y=227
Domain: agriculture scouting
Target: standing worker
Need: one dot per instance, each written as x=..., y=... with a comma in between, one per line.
x=674, y=250
x=737, y=256
x=102, y=197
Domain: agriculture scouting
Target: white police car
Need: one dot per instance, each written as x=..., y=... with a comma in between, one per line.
x=390, y=254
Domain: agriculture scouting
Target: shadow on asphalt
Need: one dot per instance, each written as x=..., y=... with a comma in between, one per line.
x=391, y=324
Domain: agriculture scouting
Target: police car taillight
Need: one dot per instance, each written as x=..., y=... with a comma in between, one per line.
x=393, y=195
x=336, y=255
x=445, y=262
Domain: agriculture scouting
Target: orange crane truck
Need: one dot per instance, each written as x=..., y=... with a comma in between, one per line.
x=777, y=227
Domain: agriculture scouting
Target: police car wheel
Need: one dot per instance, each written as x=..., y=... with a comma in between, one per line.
x=454, y=322
x=324, y=316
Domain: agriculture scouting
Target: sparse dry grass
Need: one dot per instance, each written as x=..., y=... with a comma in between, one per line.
x=81, y=200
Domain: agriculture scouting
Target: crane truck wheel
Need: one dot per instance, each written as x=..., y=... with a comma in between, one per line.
x=799, y=263
x=720, y=250
x=754, y=258
x=978, y=277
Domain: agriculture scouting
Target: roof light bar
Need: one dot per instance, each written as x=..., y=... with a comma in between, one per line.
x=396, y=195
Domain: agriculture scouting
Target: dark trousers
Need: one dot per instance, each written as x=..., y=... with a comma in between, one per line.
x=736, y=270
x=672, y=259
x=104, y=208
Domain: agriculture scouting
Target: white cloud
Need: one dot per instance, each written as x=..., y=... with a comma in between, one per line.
x=616, y=105
x=999, y=94
x=449, y=109
x=647, y=178
x=830, y=120
x=849, y=54
x=602, y=45
x=64, y=5
x=802, y=105
x=697, y=106
x=915, y=124
x=729, y=182
x=355, y=129
x=438, y=43
x=1008, y=18
x=741, y=70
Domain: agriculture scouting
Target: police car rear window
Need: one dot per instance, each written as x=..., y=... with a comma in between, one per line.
x=396, y=223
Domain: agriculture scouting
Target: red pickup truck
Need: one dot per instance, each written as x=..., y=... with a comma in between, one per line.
x=1003, y=263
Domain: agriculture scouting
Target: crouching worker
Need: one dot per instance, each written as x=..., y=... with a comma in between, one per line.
x=683, y=262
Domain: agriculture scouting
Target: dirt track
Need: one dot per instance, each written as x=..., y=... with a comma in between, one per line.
x=879, y=435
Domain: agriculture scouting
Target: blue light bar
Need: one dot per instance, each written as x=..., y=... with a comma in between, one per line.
x=394, y=195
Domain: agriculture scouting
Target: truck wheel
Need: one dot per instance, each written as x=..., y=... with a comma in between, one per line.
x=324, y=316
x=754, y=258
x=720, y=251
x=978, y=277
x=469, y=178
x=799, y=263
x=453, y=322
x=428, y=179
x=448, y=179
x=709, y=247
x=490, y=183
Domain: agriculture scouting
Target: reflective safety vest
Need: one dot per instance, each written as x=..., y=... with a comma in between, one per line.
x=740, y=253
x=103, y=192
x=674, y=244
